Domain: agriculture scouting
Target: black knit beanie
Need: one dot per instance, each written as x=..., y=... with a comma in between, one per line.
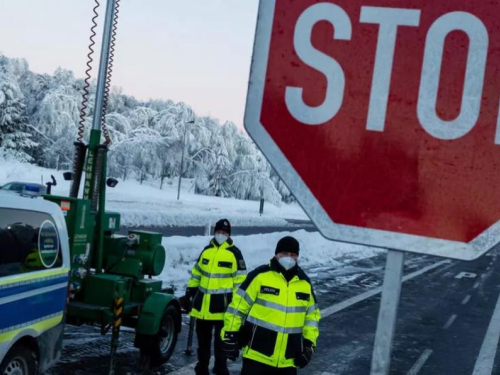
x=223, y=225
x=287, y=245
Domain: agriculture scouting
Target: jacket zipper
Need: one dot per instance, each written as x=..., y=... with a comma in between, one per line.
x=209, y=278
x=253, y=335
x=286, y=315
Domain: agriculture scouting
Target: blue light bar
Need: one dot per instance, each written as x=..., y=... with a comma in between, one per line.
x=32, y=189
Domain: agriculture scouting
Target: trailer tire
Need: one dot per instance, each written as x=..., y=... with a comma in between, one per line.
x=155, y=350
x=19, y=360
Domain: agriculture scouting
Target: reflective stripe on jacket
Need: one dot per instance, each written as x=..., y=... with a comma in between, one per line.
x=217, y=273
x=273, y=316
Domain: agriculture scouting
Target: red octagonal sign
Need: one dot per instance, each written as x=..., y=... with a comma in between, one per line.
x=382, y=117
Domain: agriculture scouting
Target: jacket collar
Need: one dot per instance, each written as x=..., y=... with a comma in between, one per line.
x=287, y=274
x=229, y=243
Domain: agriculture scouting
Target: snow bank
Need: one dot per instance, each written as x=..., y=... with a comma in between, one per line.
x=182, y=253
x=147, y=205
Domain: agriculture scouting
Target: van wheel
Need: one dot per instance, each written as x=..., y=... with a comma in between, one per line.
x=18, y=361
x=157, y=349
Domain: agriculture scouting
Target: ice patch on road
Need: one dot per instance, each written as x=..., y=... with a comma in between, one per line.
x=342, y=280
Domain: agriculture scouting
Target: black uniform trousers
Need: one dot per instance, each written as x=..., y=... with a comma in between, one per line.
x=204, y=329
x=253, y=368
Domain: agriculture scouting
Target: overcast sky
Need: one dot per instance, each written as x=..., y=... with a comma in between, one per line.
x=196, y=51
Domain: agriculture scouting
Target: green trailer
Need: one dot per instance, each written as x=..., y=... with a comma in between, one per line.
x=111, y=280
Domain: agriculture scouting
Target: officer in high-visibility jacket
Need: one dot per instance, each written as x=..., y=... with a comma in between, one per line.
x=273, y=316
x=220, y=269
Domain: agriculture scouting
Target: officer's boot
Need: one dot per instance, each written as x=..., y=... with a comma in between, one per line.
x=220, y=366
x=201, y=367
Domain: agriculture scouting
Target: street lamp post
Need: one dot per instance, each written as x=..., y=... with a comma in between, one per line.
x=182, y=158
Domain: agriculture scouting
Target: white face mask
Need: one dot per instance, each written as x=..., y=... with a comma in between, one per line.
x=287, y=262
x=220, y=238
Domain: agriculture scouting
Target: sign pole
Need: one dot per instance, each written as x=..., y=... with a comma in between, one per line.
x=387, y=316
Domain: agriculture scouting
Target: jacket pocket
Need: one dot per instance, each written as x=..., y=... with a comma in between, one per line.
x=263, y=341
x=198, y=300
x=293, y=345
x=245, y=334
x=303, y=296
x=217, y=303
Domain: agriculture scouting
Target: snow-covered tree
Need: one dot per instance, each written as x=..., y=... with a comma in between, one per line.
x=148, y=137
x=54, y=124
x=14, y=137
x=218, y=181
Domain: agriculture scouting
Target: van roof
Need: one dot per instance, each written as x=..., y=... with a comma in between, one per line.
x=9, y=200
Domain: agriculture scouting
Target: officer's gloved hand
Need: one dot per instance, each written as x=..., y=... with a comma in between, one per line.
x=186, y=303
x=230, y=345
x=303, y=359
x=187, y=300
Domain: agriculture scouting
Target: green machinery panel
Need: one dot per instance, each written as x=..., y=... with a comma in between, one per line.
x=111, y=222
x=136, y=255
x=101, y=290
x=143, y=288
x=96, y=302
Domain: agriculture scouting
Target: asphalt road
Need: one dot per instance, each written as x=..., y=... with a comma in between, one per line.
x=444, y=325
x=443, y=319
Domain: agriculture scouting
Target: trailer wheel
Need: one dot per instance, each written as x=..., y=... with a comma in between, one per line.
x=18, y=361
x=156, y=350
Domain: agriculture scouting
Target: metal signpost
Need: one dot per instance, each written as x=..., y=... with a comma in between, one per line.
x=384, y=123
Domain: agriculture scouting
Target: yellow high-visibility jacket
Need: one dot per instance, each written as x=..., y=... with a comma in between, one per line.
x=272, y=316
x=217, y=273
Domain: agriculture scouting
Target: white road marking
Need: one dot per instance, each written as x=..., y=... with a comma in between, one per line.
x=468, y=275
x=420, y=362
x=361, y=297
x=466, y=299
x=476, y=285
x=486, y=358
x=450, y=321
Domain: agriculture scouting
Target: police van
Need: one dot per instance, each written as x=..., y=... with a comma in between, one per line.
x=34, y=271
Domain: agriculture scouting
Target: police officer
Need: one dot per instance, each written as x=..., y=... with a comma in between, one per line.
x=220, y=269
x=273, y=316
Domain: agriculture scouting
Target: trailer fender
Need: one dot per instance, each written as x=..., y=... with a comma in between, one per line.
x=152, y=313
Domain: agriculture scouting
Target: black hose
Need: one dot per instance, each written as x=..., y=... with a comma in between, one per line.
x=78, y=165
x=109, y=74
x=86, y=86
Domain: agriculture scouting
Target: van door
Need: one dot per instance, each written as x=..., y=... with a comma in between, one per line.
x=33, y=282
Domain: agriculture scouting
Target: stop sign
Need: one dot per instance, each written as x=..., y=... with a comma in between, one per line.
x=382, y=117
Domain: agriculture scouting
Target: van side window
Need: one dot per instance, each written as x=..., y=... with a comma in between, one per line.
x=29, y=242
